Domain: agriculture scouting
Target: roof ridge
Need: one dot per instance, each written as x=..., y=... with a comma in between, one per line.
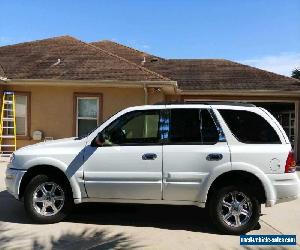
x=123, y=59
x=39, y=40
x=195, y=59
x=125, y=46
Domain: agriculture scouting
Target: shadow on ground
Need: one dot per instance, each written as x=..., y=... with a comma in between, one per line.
x=86, y=239
x=160, y=216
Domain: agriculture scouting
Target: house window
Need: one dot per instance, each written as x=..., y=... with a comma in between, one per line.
x=21, y=114
x=87, y=114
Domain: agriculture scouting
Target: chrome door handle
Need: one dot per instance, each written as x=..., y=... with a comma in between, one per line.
x=149, y=156
x=214, y=157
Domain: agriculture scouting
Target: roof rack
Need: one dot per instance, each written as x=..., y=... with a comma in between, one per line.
x=243, y=104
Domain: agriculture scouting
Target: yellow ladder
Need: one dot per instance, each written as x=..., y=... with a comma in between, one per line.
x=8, y=124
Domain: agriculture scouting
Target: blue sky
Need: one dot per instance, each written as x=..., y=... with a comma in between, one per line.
x=261, y=33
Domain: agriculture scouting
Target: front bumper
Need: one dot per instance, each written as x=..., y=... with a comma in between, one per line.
x=13, y=179
x=286, y=187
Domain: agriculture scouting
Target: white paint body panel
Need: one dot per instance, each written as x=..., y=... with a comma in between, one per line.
x=119, y=172
x=179, y=175
x=186, y=169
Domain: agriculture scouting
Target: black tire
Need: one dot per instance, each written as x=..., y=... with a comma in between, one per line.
x=217, y=211
x=65, y=206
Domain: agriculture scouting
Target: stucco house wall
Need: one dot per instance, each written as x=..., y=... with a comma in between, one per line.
x=52, y=110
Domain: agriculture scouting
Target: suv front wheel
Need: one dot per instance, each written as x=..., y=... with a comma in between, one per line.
x=234, y=209
x=47, y=199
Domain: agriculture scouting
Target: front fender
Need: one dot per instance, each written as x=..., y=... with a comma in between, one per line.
x=76, y=180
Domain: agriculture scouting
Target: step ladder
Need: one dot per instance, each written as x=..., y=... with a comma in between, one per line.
x=8, y=139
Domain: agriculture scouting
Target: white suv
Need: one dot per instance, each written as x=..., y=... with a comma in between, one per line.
x=229, y=158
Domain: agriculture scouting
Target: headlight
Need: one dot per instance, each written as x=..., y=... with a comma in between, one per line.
x=11, y=158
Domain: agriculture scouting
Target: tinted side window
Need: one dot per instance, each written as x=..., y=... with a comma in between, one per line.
x=192, y=126
x=249, y=127
x=210, y=134
x=134, y=127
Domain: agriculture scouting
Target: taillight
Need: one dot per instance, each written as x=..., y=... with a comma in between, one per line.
x=290, y=165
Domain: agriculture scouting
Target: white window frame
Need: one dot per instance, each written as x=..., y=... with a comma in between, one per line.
x=86, y=118
x=26, y=114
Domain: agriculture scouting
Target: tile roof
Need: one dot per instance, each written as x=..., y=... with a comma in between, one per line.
x=126, y=52
x=219, y=74
x=206, y=74
x=67, y=58
x=2, y=74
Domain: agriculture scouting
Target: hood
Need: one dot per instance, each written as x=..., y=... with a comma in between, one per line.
x=61, y=151
x=46, y=144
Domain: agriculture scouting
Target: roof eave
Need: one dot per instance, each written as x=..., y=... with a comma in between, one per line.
x=279, y=93
x=170, y=87
x=124, y=82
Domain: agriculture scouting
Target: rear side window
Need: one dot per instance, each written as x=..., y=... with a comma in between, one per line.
x=249, y=127
x=194, y=126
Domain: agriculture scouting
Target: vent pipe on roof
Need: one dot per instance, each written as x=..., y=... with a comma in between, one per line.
x=3, y=78
x=144, y=60
x=56, y=63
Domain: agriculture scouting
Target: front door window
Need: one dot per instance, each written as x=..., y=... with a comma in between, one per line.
x=138, y=127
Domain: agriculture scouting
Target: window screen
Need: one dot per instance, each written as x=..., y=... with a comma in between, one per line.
x=192, y=126
x=249, y=127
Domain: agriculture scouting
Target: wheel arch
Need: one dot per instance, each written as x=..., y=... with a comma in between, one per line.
x=241, y=177
x=48, y=169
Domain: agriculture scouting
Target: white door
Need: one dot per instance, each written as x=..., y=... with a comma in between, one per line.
x=195, y=146
x=129, y=164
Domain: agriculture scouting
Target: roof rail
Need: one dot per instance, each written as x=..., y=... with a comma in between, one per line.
x=243, y=104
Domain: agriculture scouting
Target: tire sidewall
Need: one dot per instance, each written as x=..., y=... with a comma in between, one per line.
x=28, y=197
x=216, y=215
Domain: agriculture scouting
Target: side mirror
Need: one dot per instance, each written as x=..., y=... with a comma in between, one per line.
x=100, y=138
x=98, y=141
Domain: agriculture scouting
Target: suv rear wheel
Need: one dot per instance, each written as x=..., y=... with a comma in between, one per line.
x=47, y=199
x=234, y=209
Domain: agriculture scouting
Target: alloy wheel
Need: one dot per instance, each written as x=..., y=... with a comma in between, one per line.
x=48, y=199
x=235, y=208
